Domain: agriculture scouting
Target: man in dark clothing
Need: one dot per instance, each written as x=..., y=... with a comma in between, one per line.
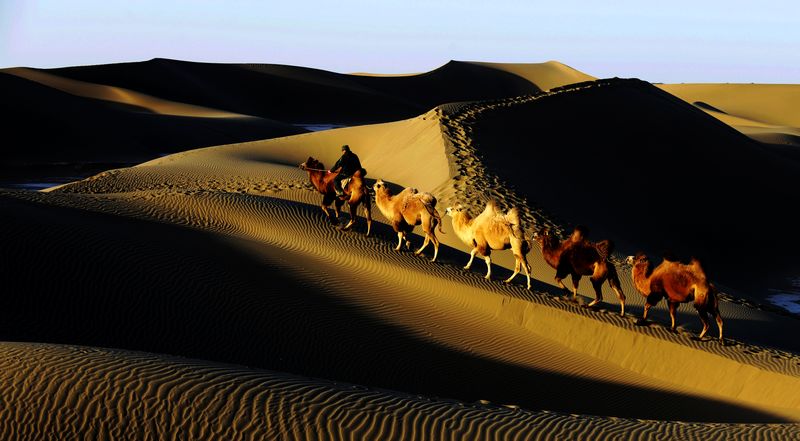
x=349, y=163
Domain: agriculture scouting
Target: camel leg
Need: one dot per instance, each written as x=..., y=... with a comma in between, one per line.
x=598, y=292
x=561, y=273
x=435, y=241
x=527, y=267
x=647, y=307
x=516, y=271
x=615, y=285
x=424, y=244
x=719, y=322
x=703, y=318
x=400, y=235
x=353, y=216
x=576, y=278
x=488, y=267
x=368, y=213
x=673, y=306
x=471, y=256
x=649, y=303
x=337, y=206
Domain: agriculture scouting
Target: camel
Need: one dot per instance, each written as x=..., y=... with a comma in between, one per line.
x=407, y=209
x=579, y=257
x=492, y=230
x=356, y=192
x=678, y=283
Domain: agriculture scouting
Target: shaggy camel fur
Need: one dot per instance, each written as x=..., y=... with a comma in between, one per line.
x=356, y=192
x=407, y=209
x=492, y=230
x=579, y=257
x=678, y=283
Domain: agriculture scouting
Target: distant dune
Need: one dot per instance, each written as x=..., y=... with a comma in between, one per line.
x=138, y=110
x=85, y=127
x=202, y=294
x=764, y=112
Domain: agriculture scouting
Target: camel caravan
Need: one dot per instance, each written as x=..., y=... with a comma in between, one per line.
x=493, y=230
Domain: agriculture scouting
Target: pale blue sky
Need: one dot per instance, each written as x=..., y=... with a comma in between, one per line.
x=667, y=41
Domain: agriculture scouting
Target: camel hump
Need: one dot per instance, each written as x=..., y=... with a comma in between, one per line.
x=694, y=262
x=580, y=233
x=604, y=248
x=427, y=199
x=512, y=217
x=360, y=172
x=490, y=209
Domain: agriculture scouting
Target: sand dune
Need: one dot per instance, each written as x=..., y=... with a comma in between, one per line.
x=765, y=112
x=232, y=402
x=303, y=95
x=135, y=111
x=660, y=156
x=118, y=95
x=86, y=128
x=221, y=257
x=545, y=76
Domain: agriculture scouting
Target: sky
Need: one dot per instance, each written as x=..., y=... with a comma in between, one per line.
x=666, y=41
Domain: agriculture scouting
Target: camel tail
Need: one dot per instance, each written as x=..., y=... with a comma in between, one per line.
x=604, y=248
x=613, y=276
x=429, y=201
x=516, y=223
x=438, y=219
x=526, y=245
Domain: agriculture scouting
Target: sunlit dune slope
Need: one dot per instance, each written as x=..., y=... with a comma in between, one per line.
x=544, y=75
x=766, y=112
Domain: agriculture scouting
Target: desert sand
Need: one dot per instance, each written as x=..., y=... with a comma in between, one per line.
x=765, y=112
x=203, y=294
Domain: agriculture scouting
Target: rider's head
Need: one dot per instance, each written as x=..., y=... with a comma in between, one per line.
x=345, y=148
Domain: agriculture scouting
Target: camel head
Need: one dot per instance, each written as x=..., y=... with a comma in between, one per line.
x=311, y=163
x=542, y=234
x=640, y=257
x=451, y=211
x=379, y=185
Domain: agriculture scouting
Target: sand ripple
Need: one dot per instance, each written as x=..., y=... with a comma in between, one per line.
x=75, y=392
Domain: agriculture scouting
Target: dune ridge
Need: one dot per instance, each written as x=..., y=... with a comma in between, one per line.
x=118, y=95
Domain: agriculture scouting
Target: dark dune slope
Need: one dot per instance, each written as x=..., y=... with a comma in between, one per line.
x=304, y=95
x=50, y=125
x=688, y=182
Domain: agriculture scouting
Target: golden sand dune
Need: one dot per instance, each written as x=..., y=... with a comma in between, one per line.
x=118, y=95
x=544, y=75
x=303, y=95
x=332, y=303
x=222, y=254
x=133, y=395
x=136, y=111
x=765, y=112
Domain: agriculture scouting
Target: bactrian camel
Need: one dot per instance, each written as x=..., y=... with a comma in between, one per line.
x=492, y=230
x=407, y=209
